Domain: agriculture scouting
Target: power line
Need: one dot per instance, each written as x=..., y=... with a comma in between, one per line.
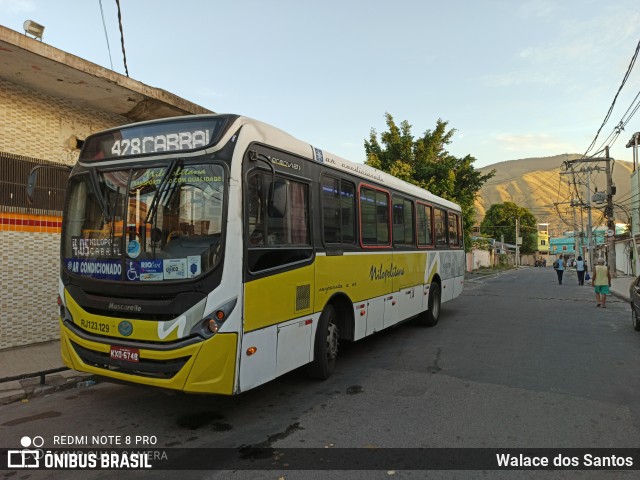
x=124, y=53
x=624, y=80
x=105, y=33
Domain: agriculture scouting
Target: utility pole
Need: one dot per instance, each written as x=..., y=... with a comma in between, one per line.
x=589, y=228
x=611, y=224
x=517, y=235
x=610, y=193
x=574, y=204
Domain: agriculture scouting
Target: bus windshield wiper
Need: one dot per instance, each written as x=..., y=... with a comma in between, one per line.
x=159, y=192
x=102, y=202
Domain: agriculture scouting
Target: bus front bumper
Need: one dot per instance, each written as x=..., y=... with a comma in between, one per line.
x=208, y=366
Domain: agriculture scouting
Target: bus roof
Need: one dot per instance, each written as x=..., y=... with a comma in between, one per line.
x=277, y=137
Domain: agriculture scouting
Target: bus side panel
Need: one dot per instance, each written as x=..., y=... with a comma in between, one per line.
x=410, y=284
x=279, y=297
x=451, y=269
x=295, y=344
x=259, y=367
x=214, y=368
x=359, y=276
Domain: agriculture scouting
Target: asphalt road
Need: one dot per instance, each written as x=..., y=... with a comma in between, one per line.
x=517, y=361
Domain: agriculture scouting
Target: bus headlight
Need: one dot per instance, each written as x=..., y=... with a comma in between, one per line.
x=64, y=313
x=211, y=323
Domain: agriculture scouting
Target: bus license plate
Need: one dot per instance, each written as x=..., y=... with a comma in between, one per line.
x=124, y=353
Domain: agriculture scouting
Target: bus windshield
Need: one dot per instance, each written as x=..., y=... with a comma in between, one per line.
x=153, y=224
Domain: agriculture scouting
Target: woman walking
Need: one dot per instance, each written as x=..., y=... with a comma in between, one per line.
x=581, y=268
x=558, y=265
x=601, y=282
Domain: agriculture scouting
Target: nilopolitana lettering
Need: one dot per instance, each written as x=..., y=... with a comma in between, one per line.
x=380, y=273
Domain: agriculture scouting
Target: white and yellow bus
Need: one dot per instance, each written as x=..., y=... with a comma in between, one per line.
x=213, y=253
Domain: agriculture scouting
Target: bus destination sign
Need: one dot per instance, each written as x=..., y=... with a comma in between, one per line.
x=170, y=136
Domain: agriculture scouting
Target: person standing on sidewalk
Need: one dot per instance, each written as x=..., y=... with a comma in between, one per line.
x=601, y=282
x=559, y=267
x=581, y=268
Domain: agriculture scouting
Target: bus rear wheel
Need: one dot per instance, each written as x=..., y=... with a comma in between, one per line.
x=325, y=350
x=430, y=317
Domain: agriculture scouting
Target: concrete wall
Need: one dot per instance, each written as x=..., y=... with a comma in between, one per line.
x=478, y=258
x=45, y=128
x=42, y=127
x=623, y=260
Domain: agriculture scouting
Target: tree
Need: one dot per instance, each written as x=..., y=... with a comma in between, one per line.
x=426, y=162
x=500, y=220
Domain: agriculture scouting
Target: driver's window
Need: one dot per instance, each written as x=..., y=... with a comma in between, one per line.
x=276, y=239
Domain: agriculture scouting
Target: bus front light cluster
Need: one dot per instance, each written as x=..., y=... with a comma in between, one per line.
x=213, y=322
x=64, y=313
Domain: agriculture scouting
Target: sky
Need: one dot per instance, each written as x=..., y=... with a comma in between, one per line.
x=515, y=79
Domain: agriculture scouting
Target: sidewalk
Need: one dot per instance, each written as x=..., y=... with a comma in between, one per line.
x=33, y=359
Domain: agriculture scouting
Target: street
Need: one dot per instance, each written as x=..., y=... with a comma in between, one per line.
x=517, y=361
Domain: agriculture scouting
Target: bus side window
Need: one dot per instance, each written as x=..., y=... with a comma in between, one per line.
x=425, y=234
x=440, y=220
x=403, y=221
x=255, y=214
x=338, y=210
x=279, y=238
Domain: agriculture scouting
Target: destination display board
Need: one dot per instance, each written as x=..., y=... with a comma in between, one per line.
x=146, y=139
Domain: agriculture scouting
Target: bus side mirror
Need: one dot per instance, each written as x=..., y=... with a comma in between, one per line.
x=33, y=177
x=31, y=184
x=278, y=194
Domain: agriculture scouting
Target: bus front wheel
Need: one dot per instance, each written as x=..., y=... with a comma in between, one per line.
x=325, y=350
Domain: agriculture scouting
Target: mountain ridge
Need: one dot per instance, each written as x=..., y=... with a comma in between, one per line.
x=536, y=184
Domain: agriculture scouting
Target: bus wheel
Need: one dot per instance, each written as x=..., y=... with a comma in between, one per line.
x=325, y=350
x=634, y=318
x=432, y=315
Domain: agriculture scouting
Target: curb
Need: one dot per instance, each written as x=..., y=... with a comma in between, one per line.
x=24, y=390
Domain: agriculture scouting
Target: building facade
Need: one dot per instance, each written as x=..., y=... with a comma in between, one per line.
x=50, y=101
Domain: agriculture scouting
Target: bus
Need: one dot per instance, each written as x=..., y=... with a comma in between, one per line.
x=213, y=253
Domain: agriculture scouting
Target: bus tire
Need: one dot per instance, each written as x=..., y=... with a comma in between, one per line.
x=431, y=316
x=635, y=321
x=325, y=349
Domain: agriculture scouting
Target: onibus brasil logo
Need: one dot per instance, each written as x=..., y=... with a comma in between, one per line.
x=30, y=454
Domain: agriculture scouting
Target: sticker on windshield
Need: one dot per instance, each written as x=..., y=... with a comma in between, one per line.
x=101, y=269
x=194, y=268
x=175, y=268
x=151, y=271
x=133, y=248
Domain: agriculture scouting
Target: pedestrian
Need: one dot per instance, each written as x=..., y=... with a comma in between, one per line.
x=558, y=265
x=581, y=268
x=601, y=282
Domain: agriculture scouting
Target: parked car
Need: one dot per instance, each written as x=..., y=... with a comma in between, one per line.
x=634, y=295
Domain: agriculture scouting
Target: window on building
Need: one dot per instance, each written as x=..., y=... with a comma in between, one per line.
x=49, y=191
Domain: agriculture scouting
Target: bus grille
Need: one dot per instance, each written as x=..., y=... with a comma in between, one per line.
x=303, y=297
x=144, y=368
